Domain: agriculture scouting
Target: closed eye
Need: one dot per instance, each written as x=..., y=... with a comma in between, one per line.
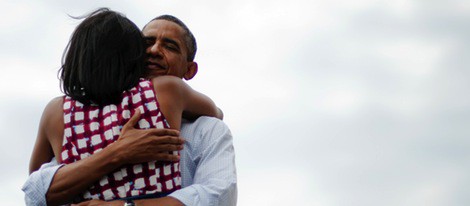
x=172, y=47
x=171, y=44
x=149, y=41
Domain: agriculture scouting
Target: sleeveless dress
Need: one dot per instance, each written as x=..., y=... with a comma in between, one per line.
x=90, y=128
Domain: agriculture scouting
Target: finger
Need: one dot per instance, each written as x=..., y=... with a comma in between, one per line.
x=167, y=157
x=158, y=140
x=133, y=121
x=169, y=147
x=164, y=132
x=156, y=156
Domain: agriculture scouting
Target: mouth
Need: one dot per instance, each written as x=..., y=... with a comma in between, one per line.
x=155, y=69
x=154, y=66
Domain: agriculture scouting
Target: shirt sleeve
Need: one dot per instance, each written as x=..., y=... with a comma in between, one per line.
x=215, y=178
x=37, y=184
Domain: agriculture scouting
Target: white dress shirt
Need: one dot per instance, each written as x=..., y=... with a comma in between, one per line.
x=208, y=171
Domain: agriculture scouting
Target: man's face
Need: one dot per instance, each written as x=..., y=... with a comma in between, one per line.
x=166, y=49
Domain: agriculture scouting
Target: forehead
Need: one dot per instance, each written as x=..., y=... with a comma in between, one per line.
x=163, y=28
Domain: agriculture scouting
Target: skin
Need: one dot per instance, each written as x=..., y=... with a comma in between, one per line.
x=167, y=53
x=167, y=56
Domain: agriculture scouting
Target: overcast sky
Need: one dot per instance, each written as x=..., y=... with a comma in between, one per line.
x=331, y=103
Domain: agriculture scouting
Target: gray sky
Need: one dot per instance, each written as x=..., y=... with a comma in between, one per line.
x=331, y=103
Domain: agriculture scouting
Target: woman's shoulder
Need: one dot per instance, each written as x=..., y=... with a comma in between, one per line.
x=161, y=82
x=171, y=86
x=52, y=116
x=55, y=104
x=167, y=81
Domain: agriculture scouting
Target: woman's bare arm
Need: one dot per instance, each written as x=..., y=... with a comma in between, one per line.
x=49, y=138
x=176, y=98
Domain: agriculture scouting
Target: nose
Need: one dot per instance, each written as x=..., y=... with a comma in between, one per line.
x=155, y=50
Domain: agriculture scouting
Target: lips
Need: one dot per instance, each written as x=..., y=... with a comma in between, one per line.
x=154, y=66
x=155, y=69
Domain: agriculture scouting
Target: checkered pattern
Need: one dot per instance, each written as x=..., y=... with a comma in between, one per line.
x=89, y=129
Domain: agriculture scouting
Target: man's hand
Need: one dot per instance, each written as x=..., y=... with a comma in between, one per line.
x=144, y=145
x=133, y=146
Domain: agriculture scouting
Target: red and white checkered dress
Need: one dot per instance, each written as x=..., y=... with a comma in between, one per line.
x=89, y=129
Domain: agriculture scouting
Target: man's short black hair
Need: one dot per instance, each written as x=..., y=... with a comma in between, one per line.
x=104, y=57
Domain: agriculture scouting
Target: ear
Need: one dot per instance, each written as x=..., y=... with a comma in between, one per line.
x=191, y=72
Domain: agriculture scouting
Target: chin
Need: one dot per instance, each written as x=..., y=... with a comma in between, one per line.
x=156, y=73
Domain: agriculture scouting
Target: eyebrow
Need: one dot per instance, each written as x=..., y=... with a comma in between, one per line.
x=149, y=38
x=165, y=40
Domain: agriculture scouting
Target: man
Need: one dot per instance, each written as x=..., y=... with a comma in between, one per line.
x=207, y=160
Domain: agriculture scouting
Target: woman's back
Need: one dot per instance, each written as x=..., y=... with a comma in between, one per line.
x=90, y=128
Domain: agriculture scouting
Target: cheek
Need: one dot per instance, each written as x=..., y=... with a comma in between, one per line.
x=175, y=61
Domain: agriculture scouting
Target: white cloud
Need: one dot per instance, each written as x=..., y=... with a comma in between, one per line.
x=17, y=12
x=28, y=79
x=286, y=187
x=413, y=56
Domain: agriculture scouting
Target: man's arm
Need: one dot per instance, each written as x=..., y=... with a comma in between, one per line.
x=208, y=169
x=133, y=146
x=38, y=182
